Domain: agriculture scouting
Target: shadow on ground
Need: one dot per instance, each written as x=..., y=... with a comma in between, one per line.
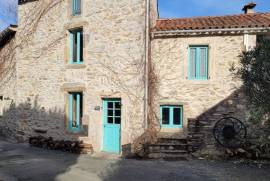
x=20, y=162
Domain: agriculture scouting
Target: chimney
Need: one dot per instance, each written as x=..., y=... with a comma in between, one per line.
x=249, y=8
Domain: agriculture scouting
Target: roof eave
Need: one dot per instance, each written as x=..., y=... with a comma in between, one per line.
x=208, y=32
x=20, y=2
x=7, y=34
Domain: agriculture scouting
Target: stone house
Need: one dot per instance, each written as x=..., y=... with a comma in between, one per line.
x=111, y=73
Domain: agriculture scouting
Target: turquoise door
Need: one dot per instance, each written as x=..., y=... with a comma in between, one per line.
x=111, y=125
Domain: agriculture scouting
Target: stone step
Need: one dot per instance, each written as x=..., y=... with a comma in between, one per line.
x=169, y=151
x=172, y=140
x=167, y=146
x=86, y=145
x=169, y=157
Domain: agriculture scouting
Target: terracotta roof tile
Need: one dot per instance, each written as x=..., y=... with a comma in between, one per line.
x=214, y=22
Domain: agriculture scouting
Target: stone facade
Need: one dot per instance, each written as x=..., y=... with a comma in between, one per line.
x=8, y=83
x=114, y=57
x=170, y=62
x=115, y=65
x=204, y=101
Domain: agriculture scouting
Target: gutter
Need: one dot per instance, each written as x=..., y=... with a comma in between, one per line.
x=147, y=53
x=209, y=31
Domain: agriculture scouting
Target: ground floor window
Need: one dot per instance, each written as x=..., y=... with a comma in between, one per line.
x=171, y=116
x=75, y=111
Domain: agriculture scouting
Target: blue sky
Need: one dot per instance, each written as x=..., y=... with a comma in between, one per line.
x=189, y=8
x=167, y=8
x=8, y=9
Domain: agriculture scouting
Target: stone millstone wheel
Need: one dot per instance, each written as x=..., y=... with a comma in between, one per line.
x=230, y=132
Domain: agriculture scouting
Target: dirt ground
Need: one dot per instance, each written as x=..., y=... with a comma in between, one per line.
x=20, y=162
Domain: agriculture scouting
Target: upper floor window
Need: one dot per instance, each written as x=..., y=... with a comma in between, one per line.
x=198, y=63
x=76, y=7
x=76, y=46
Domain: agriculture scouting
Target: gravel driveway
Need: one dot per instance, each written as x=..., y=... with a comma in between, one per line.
x=23, y=163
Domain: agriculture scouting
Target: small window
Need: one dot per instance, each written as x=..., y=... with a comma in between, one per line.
x=76, y=46
x=1, y=105
x=171, y=116
x=198, y=62
x=113, y=111
x=76, y=7
x=75, y=111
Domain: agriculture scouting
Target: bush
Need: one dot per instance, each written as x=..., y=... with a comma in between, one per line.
x=255, y=74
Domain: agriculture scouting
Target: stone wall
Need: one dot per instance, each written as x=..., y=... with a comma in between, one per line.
x=217, y=97
x=200, y=129
x=114, y=49
x=8, y=84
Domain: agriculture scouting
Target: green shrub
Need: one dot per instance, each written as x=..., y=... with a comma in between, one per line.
x=255, y=74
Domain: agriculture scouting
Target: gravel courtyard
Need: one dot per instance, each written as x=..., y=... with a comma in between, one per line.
x=24, y=163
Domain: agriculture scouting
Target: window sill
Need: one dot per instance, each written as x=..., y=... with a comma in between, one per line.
x=76, y=66
x=171, y=130
x=199, y=81
x=82, y=132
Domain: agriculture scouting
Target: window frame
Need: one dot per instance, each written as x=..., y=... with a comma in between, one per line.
x=79, y=111
x=171, y=117
x=75, y=10
x=198, y=62
x=114, y=109
x=76, y=34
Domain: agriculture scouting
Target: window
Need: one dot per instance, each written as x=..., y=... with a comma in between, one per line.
x=198, y=62
x=76, y=7
x=76, y=46
x=113, y=111
x=171, y=116
x=75, y=111
x=1, y=105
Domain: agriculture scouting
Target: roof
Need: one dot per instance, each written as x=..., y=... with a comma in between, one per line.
x=25, y=1
x=7, y=35
x=215, y=22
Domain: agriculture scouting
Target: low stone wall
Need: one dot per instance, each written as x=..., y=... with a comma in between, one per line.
x=19, y=122
x=200, y=129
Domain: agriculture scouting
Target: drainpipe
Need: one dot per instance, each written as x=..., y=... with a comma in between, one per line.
x=147, y=55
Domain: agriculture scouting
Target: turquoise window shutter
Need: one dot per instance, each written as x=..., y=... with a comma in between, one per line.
x=71, y=47
x=70, y=111
x=192, y=63
x=203, y=63
x=76, y=7
x=76, y=46
x=78, y=111
x=75, y=101
x=198, y=63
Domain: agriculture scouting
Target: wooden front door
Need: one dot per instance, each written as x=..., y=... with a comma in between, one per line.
x=112, y=125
